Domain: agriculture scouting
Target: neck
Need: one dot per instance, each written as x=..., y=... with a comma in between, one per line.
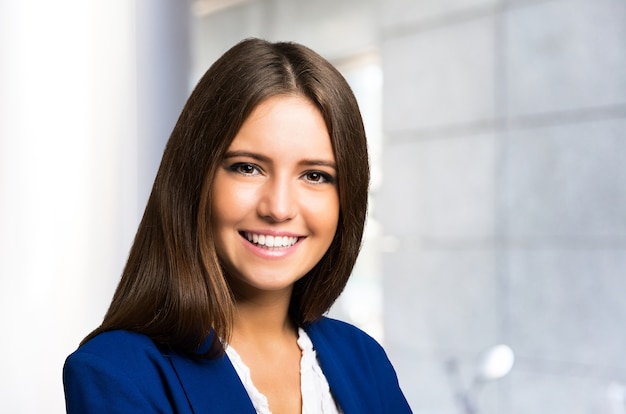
x=263, y=318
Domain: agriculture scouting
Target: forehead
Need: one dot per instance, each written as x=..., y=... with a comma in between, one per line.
x=285, y=125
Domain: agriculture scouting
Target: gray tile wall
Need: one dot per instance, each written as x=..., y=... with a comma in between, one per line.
x=504, y=200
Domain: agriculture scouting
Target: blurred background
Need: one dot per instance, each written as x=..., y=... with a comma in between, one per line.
x=498, y=145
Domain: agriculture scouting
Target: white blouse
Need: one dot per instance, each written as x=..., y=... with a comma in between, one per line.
x=316, y=396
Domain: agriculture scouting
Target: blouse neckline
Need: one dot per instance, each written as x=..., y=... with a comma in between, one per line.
x=316, y=395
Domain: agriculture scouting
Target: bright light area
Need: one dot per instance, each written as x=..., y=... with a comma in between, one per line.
x=66, y=183
x=361, y=303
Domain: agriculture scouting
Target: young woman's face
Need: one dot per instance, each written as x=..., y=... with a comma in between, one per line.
x=275, y=204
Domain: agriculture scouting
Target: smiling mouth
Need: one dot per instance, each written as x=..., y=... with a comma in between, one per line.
x=269, y=241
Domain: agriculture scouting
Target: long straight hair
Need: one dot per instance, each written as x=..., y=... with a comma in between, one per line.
x=173, y=288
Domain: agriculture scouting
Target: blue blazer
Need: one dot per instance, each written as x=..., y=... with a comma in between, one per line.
x=126, y=372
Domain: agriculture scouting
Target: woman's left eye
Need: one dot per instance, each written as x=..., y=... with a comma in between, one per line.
x=318, y=177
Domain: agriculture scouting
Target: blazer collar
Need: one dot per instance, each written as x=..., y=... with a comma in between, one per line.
x=212, y=385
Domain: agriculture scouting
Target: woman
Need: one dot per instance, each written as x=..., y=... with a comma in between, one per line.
x=250, y=234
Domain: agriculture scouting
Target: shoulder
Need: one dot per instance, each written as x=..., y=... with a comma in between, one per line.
x=119, y=371
x=129, y=354
x=357, y=368
x=341, y=333
x=120, y=338
x=118, y=347
x=119, y=354
x=347, y=343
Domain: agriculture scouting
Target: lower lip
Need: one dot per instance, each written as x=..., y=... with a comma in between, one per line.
x=270, y=252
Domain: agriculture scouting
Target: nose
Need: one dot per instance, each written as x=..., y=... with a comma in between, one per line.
x=278, y=201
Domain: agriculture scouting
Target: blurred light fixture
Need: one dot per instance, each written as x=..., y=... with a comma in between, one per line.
x=493, y=364
x=202, y=8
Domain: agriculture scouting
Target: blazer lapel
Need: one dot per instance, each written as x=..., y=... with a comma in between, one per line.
x=333, y=365
x=212, y=386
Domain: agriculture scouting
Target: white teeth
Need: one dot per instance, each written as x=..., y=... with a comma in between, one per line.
x=271, y=241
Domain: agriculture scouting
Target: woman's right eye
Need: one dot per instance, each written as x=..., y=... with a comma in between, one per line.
x=245, y=168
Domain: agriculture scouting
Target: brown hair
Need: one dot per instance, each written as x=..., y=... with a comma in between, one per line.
x=173, y=288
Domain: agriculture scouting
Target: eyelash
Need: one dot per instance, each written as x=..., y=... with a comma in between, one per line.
x=322, y=177
x=237, y=167
x=325, y=177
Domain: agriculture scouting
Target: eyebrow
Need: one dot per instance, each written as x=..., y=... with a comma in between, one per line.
x=263, y=158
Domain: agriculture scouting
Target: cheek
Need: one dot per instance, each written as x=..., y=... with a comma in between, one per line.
x=229, y=203
x=221, y=200
x=324, y=213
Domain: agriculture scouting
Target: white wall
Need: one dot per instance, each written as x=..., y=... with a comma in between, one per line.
x=89, y=92
x=505, y=193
